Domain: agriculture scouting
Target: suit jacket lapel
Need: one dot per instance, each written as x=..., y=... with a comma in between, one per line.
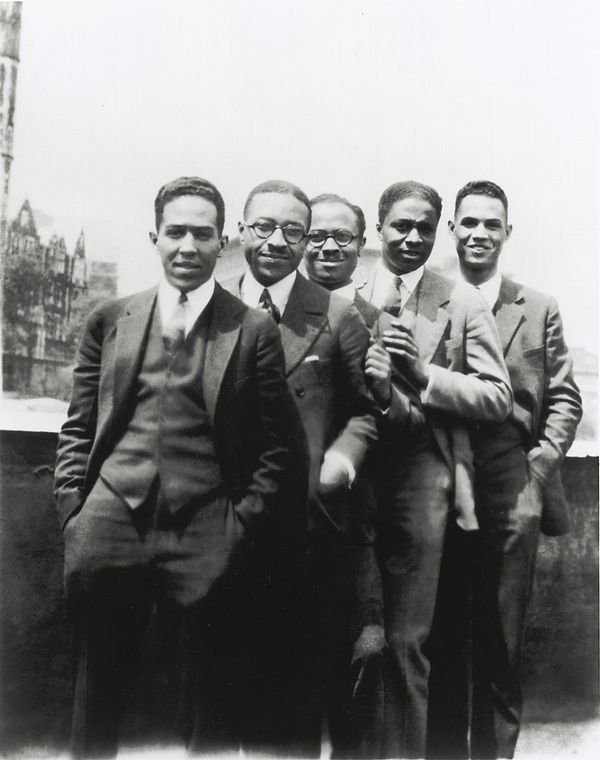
x=222, y=337
x=301, y=322
x=431, y=319
x=130, y=342
x=509, y=312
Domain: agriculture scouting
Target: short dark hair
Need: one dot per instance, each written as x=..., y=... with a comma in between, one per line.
x=482, y=187
x=189, y=186
x=278, y=186
x=334, y=198
x=400, y=190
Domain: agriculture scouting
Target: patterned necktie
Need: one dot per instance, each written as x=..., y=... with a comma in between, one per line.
x=174, y=330
x=266, y=304
x=393, y=301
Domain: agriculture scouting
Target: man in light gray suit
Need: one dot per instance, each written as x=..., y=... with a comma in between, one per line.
x=476, y=699
x=444, y=340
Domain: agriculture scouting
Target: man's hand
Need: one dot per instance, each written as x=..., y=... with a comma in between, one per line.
x=378, y=369
x=369, y=644
x=334, y=476
x=400, y=342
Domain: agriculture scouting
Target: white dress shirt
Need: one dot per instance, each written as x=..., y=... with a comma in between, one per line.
x=490, y=289
x=384, y=280
x=251, y=290
x=346, y=291
x=197, y=301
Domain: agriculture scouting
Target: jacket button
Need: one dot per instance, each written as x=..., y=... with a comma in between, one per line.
x=300, y=392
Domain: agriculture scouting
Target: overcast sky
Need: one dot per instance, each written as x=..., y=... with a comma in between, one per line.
x=115, y=98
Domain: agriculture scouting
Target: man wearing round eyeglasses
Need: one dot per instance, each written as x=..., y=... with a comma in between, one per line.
x=325, y=343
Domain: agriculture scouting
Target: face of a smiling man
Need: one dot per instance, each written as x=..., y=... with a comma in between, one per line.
x=272, y=258
x=188, y=241
x=480, y=229
x=332, y=264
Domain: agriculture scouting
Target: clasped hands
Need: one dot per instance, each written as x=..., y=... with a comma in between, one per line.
x=398, y=344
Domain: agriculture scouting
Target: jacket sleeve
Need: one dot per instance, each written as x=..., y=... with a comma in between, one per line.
x=480, y=390
x=561, y=406
x=77, y=434
x=280, y=477
x=356, y=408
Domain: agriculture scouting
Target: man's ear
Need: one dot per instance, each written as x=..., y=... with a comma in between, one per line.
x=153, y=237
x=451, y=228
x=378, y=228
x=241, y=231
x=223, y=242
x=508, y=230
x=361, y=244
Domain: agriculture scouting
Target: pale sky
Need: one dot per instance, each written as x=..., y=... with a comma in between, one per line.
x=116, y=98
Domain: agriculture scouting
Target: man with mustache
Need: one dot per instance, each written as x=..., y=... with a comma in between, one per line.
x=444, y=340
x=181, y=455
x=335, y=240
x=325, y=342
x=487, y=574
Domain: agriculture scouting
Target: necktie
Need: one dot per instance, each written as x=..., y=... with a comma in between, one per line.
x=393, y=301
x=174, y=330
x=266, y=304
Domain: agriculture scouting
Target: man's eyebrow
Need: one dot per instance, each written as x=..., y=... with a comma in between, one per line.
x=175, y=226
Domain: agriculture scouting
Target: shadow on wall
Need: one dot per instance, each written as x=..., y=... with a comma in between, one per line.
x=562, y=638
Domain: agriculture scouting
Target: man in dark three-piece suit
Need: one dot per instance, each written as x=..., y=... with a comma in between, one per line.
x=487, y=574
x=444, y=341
x=324, y=342
x=181, y=455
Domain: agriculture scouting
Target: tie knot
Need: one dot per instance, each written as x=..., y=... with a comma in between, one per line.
x=266, y=303
x=182, y=297
x=397, y=281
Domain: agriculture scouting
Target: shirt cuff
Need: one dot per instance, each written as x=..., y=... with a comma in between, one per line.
x=343, y=461
x=426, y=392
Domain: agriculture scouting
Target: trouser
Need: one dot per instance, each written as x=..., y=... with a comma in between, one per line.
x=414, y=512
x=118, y=563
x=477, y=639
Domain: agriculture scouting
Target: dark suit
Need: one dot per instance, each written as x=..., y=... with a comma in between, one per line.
x=487, y=575
x=423, y=477
x=195, y=556
x=325, y=342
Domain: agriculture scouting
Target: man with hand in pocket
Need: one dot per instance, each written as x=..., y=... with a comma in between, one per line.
x=487, y=574
x=181, y=455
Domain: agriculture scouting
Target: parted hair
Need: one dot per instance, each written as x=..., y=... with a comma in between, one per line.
x=334, y=198
x=408, y=189
x=189, y=186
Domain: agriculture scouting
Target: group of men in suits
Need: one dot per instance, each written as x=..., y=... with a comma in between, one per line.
x=335, y=491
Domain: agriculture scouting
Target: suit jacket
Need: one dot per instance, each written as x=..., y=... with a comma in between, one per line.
x=257, y=433
x=547, y=406
x=457, y=337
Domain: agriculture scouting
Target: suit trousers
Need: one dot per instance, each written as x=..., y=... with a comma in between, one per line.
x=477, y=638
x=414, y=512
x=119, y=563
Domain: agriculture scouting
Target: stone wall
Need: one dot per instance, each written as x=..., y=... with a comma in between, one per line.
x=562, y=638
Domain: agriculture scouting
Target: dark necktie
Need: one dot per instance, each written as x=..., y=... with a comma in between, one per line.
x=266, y=304
x=393, y=301
x=174, y=330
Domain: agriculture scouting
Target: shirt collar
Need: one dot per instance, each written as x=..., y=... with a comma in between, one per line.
x=490, y=289
x=251, y=290
x=197, y=301
x=384, y=279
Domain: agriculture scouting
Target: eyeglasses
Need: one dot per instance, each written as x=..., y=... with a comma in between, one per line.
x=342, y=238
x=292, y=233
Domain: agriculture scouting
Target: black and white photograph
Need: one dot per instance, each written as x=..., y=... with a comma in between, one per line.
x=299, y=384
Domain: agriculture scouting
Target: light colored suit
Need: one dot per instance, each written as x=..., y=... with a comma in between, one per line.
x=430, y=475
x=518, y=490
